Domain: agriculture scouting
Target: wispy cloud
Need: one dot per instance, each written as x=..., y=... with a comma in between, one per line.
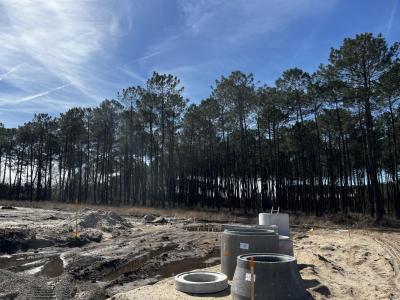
x=240, y=20
x=392, y=17
x=59, y=43
x=123, y=67
x=218, y=34
x=12, y=70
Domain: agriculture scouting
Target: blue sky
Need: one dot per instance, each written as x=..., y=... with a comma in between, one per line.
x=59, y=54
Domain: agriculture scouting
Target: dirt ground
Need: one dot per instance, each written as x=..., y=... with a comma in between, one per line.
x=131, y=257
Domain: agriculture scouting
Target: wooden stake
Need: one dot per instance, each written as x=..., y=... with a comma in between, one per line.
x=252, y=277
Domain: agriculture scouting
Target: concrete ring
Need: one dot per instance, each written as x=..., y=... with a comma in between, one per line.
x=201, y=282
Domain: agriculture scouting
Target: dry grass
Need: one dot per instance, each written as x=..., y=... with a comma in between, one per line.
x=223, y=216
x=353, y=220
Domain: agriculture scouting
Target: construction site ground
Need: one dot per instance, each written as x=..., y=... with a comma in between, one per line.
x=70, y=252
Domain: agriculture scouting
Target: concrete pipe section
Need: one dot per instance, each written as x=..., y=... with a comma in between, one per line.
x=280, y=220
x=272, y=277
x=238, y=242
x=201, y=282
x=245, y=227
x=285, y=245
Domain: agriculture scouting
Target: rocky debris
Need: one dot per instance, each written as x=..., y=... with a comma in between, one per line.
x=157, y=220
x=148, y=218
x=160, y=220
x=51, y=217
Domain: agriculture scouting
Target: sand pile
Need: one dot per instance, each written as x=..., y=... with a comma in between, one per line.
x=102, y=220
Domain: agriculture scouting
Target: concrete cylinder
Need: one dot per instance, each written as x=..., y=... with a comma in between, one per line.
x=280, y=220
x=285, y=245
x=201, y=282
x=238, y=242
x=274, y=276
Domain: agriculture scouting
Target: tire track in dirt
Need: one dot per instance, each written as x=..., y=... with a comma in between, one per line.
x=393, y=250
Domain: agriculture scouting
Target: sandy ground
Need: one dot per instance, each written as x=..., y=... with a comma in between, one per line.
x=165, y=290
x=128, y=258
x=335, y=264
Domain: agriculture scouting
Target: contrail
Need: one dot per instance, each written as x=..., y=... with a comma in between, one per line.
x=12, y=70
x=43, y=93
x=141, y=58
x=71, y=83
x=392, y=16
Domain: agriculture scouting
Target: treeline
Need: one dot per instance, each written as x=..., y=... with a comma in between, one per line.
x=321, y=142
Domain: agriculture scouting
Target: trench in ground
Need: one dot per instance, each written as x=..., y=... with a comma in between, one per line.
x=51, y=265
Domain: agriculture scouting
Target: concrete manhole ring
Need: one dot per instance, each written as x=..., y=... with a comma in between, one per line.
x=201, y=282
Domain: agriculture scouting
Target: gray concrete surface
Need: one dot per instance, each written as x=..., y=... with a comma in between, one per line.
x=201, y=282
x=234, y=243
x=274, y=277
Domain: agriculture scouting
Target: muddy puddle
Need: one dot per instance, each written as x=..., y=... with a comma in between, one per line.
x=47, y=264
x=54, y=267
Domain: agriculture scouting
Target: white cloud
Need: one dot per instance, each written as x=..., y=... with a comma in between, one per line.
x=237, y=21
x=60, y=44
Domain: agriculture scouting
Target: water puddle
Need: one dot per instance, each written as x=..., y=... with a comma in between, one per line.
x=18, y=262
x=53, y=268
x=47, y=264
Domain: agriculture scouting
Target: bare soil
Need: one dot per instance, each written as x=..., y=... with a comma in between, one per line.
x=121, y=255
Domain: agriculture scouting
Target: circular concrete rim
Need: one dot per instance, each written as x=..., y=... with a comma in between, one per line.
x=201, y=282
x=249, y=232
x=267, y=258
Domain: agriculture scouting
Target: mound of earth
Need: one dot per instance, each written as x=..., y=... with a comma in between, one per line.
x=99, y=219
